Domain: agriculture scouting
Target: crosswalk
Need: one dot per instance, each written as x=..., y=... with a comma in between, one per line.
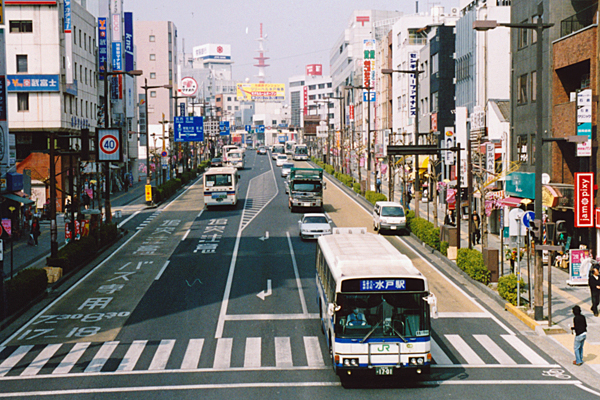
x=244, y=353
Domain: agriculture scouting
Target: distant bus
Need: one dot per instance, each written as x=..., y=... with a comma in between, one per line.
x=236, y=158
x=300, y=152
x=374, y=305
x=277, y=149
x=226, y=149
x=289, y=146
x=221, y=186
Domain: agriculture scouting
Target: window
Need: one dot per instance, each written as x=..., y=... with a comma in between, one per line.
x=522, y=89
x=152, y=38
x=523, y=36
x=75, y=101
x=74, y=35
x=533, y=86
x=84, y=41
x=21, y=62
x=522, y=153
x=533, y=31
x=75, y=71
x=90, y=44
x=65, y=103
x=321, y=86
x=170, y=56
x=21, y=26
x=87, y=115
x=80, y=38
x=85, y=77
x=435, y=66
x=274, y=122
x=170, y=38
x=22, y=101
x=329, y=85
x=229, y=99
x=312, y=87
x=434, y=102
x=152, y=57
x=153, y=93
x=82, y=108
x=152, y=75
x=170, y=74
x=312, y=97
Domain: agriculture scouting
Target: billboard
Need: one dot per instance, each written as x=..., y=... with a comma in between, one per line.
x=260, y=91
x=128, y=21
x=102, y=47
x=584, y=122
x=68, y=42
x=213, y=52
x=32, y=83
x=314, y=69
x=584, y=199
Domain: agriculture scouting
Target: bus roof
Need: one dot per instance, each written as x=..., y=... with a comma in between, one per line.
x=365, y=255
x=221, y=170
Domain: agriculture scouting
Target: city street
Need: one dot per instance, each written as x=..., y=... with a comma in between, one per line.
x=221, y=303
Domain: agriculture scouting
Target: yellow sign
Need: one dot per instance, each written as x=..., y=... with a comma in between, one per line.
x=148, y=192
x=1, y=12
x=260, y=91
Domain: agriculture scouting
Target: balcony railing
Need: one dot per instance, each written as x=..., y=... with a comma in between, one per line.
x=582, y=19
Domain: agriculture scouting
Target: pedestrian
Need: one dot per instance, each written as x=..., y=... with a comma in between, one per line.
x=35, y=230
x=594, y=282
x=449, y=218
x=580, y=329
x=378, y=185
x=476, y=228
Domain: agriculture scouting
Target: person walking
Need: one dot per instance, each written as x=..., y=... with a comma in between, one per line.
x=594, y=283
x=35, y=230
x=449, y=218
x=476, y=228
x=378, y=185
x=580, y=329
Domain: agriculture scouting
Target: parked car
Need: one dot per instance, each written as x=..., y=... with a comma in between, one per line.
x=314, y=225
x=216, y=162
x=262, y=151
x=286, y=168
x=388, y=215
x=281, y=159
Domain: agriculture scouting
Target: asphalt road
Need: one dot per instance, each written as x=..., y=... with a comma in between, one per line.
x=221, y=303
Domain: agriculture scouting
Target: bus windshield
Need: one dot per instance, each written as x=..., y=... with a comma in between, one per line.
x=278, y=149
x=306, y=186
x=218, y=180
x=377, y=315
x=301, y=150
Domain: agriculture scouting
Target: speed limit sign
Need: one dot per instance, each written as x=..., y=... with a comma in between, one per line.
x=109, y=144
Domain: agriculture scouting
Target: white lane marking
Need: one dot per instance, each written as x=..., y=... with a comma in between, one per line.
x=200, y=213
x=465, y=351
x=438, y=354
x=463, y=315
x=101, y=357
x=71, y=359
x=283, y=352
x=14, y=359
x=314, y=356
x=45, y=355
x=494, y=350
x=186, y=234
x=298, y=281
x=269, y=317
x=192, y=354
x=69, y=290
x=132, y=356
x=252, y=354
x=162, y=270
x=128, y=218
x=266, y=293
x=223, y=353
x=163, y=352
x=524, y=350
x=581, y=386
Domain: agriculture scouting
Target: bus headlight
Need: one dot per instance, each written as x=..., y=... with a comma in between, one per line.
x=350, y=362
x=416, y=361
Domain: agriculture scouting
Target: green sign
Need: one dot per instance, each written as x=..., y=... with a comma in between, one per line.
x=520, y=184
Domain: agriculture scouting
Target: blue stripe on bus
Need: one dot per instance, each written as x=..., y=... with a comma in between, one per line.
x=381, y=340
x=210, y=193
x=365, y=365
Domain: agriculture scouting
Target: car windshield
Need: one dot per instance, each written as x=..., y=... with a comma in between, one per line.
x=280, y=157
x=218, y=180
x=377, y=315
x=288, y=165
x=307, y=187
x=315, y=220
x=392, y=212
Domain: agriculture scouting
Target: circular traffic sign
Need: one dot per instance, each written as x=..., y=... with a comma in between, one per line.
x=189, y=86
x=109, y=144
x=164, y=154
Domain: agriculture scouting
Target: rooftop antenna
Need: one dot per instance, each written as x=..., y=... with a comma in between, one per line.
x=261, y=57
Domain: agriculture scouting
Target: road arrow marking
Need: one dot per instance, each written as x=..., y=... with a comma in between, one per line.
x=264, y=237
x=264, y=294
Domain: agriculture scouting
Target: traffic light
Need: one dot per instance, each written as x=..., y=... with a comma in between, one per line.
x=536, y=230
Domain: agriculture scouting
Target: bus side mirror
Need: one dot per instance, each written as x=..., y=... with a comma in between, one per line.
x=332, y=308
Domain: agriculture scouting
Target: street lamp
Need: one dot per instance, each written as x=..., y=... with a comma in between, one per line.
x=368, y=89
x=106, y=74
x=146, y=87
x=539, y=27
x=416, y=73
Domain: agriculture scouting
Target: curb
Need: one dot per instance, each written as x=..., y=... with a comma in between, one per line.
x=522, y=316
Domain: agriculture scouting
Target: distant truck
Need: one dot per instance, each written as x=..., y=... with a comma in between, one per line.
x=306, y=188
x=300, y=152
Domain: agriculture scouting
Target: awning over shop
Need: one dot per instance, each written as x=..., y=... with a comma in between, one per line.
x=511, y=201
x=18, y=199
x=424, y=163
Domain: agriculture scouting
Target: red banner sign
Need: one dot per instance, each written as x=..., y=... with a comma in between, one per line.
x=351, y=112
x=598, y=218
x=584, y=199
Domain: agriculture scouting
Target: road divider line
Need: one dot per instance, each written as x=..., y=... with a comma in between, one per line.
x=128, y=219
x=269, y=317
x=298, y=281
x=186, y=234
x=162, y=270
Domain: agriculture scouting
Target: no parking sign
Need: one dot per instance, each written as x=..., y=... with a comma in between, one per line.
x=109, y=144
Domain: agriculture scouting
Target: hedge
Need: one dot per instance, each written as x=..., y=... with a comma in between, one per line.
x=507, y=288
x=374, y=197
x=25, y=287
x=444, y=248
x=471, y=261
x=424, y=230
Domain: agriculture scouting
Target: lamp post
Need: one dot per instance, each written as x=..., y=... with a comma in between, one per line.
x=416, y=73
x=146, y=87
x=368, y=89
x=106, y=74
x=539, y=26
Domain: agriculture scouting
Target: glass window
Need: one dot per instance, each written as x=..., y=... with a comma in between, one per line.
x=152, y=57
x=84, y=41
x=152, y=75
x=21, y=62
x=74, y=35
x=22, y=101
x=523, y=36
x=152, y=38
x=522, y=89
x=153, y=93
x=75, y=72
x=533, y=86
x=21, y=26
x=218, y=180
x=533, y=31
x=312, y=87
x=329, y=85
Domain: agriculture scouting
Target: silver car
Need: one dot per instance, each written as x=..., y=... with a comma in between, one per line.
x=314, y=225
x=286, y=168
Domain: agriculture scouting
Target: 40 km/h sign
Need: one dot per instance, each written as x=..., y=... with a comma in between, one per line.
x=109, y=144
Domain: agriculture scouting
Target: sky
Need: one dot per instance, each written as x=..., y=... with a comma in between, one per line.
x=298, y=32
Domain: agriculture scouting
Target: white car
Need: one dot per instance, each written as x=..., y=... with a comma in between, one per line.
x=281, y=159
x=314, y=225
x=286, y=168
x=388, y=215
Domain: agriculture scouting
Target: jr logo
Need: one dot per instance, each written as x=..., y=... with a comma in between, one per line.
x=384, y=348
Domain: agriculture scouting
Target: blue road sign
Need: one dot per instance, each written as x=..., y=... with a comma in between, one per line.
x=527, y=218
x=224, y=128
x=260, y=129
x=366, y=94
x=248, y=128
x=182, y=109
x=189, y=129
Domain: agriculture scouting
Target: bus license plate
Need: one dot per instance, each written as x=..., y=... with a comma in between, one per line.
x=306, y=204
x=384, y=371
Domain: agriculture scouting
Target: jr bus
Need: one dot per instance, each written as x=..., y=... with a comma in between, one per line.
x=221, y=186
x=289, y=146
x=300, y=152
x=277, y=149
x=374, y=305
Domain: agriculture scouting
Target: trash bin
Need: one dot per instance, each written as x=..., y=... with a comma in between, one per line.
x=490, y=258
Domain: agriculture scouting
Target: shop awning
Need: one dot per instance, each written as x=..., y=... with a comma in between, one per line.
x=19, y=199
x=511, y=201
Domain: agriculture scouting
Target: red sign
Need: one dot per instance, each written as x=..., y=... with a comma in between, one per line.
x=584, y=199
x=6, y=224
x=305, y=100
x=351, y=112
x=597, y=217
x=314, y=69
x=434, y=122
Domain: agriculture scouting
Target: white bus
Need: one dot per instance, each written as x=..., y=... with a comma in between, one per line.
x=300, y=152
x=221, y=186
x=276, y=150
x=226, y=149
x=289, y=146
x=374, y=305
x=236, y=158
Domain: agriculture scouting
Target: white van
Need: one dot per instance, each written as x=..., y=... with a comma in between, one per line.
x=388, y=215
